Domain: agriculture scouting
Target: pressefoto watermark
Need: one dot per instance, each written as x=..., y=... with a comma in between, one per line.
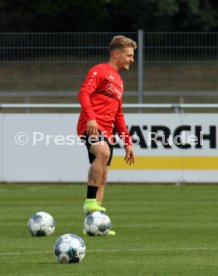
x=40, y=138
x=21, y=138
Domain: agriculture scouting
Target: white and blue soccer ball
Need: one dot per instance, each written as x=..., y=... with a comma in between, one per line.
x=69, y=248
x=97, y=224
x=41, y=224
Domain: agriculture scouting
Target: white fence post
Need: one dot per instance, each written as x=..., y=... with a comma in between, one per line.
x=140, y=66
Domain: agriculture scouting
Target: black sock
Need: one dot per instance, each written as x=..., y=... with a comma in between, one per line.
x=91, y=191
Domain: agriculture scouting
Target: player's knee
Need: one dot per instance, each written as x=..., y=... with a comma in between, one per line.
x=104, y=155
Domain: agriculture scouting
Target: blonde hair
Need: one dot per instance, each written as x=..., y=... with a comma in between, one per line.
x=120, y=42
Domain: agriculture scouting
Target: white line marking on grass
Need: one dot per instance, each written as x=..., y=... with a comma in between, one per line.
x=152, y=249
x=24, y=253
x=115, y=250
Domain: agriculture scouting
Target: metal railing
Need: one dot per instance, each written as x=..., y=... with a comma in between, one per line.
x=50, y=67
x=136, y=106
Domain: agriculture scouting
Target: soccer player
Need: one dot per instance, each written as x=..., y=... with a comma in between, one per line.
x=100, y=98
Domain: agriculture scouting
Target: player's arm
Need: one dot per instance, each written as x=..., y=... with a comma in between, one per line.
x=123, y=133
x=88, y=87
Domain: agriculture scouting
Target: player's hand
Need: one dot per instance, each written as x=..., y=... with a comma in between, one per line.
x=92, y=128
x=129, y=158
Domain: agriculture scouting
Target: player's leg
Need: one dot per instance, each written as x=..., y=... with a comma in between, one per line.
x=101, y=153
x=96, y=173
x=100, y=195
x=101, y=187
x=98, y=178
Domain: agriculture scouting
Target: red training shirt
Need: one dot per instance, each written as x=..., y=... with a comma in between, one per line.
x=101, y=99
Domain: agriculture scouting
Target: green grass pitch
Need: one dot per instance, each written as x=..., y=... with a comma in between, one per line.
x=161, y=230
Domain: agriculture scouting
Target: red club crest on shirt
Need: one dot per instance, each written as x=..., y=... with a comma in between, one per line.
x=109, y=89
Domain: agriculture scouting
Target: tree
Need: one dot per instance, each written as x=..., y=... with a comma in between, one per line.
x=167, y=15
x=108, y=15
x=56, y=15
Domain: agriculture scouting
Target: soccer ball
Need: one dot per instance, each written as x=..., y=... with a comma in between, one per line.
x=69, y=248
x=97, y=224
x=41, y=224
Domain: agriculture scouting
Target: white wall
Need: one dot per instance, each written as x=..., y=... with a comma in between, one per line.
x=59, y=159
